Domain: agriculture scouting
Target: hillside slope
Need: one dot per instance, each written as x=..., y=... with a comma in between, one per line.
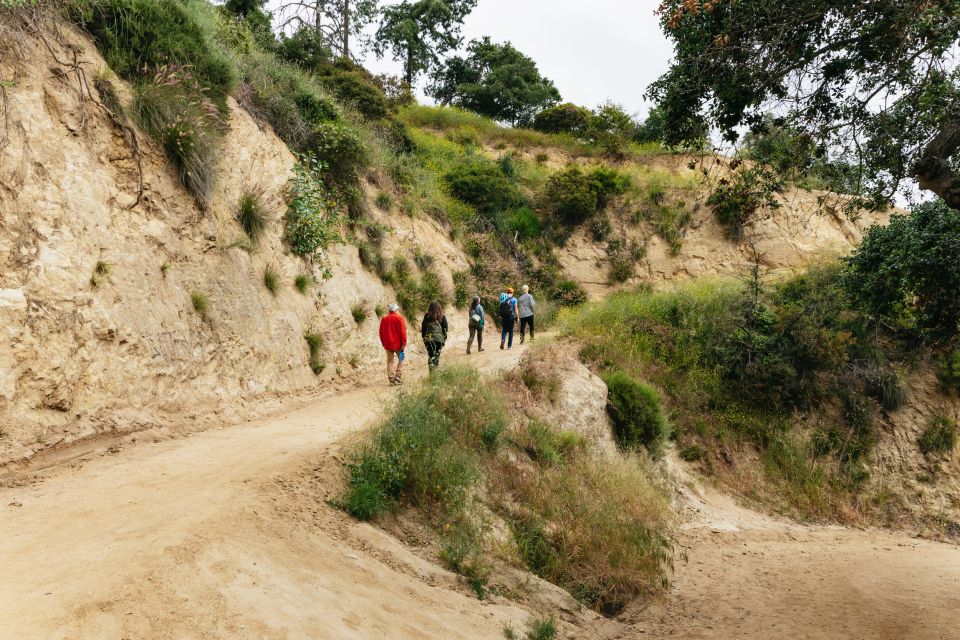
x=102, y=251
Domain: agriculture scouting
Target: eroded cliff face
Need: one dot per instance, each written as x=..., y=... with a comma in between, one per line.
x=78, y=359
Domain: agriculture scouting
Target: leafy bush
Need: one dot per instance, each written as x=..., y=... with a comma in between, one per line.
x=634, y=408
x=252, y=213
x=940, y=436
x=524, y=223
x=563, y=118
x=570, y=195
x=737, y=198
x=359, y=91
x=483, y=185
x=341, y=151
x=312, y=216
x=461, y=295
x=568, y=293
x=909, y=270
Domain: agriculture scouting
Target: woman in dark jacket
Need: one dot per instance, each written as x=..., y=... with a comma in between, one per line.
x=475, y=322
x=433, y=329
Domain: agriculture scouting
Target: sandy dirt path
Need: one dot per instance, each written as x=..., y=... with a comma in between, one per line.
x=214, y=536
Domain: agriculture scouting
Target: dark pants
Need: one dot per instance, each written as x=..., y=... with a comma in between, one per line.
x=523, y=325
x=506, y=331
x=475, y=331
x=433, y=354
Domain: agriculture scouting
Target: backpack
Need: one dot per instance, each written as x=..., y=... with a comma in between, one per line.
x=506, y=310
x=435, y=333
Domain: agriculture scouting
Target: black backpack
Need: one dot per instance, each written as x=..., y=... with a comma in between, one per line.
x=506, y=310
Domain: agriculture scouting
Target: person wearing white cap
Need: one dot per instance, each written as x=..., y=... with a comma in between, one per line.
x=393, y=337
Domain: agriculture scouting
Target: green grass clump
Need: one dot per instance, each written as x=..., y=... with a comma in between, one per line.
x=542, y=629
x=636, y=414
x=302, y=283
x=200, y=302
x=384, y=201
x=940, y=436
x=949, y=370
x=315, y=344
x=359, y=312
x=271, y=279
x=252, y=213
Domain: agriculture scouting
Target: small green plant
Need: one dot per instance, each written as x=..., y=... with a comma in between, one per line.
x=313, y=216
x=461, y=295
x=100, y=272
x=315, y=344
x=940, y=436
x=252, y=213
x=635, y=411
x=949, y=371
x=422, y=259
x=541, y=158
x=462, y=549
x=200, y=302
x=359, y=312
x=39, y=437
x=165, y=269
x=271, y=279
x=302, y=283
x=509, y=632
x=542, y=629
x=380, y=310
x=384, y=201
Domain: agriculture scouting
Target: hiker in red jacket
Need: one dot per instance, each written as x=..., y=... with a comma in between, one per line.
x=393, y=337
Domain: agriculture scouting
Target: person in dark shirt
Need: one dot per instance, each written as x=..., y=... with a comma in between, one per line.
x=433, y=330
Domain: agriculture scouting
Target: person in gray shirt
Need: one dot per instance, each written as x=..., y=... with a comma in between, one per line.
x=526, y=306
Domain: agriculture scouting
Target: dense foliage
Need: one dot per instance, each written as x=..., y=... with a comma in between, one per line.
x=635, y=411
x=874, y=83
x=494, y=80
x=313, y=220
x=909, y=270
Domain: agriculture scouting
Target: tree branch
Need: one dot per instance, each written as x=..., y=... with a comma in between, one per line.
x=933, y=170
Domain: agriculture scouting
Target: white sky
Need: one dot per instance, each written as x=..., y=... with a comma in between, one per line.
x=593, y=51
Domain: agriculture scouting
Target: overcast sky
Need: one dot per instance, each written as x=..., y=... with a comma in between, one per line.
x=593, y=51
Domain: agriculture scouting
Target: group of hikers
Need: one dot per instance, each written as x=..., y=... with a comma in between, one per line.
x=434, y=329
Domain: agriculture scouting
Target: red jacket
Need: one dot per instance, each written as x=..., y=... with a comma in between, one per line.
x=393, y=332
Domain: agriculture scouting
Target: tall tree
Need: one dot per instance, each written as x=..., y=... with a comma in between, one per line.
x=872, y=82
x=495, y=80
x=418, y=33
x=340, y=23
x=257, y=18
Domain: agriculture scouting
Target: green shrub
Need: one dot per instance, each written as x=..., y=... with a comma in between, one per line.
x=909, y=270
x=136, y=37
x=384, y=201
x=252, y=213
x=949, y=370
x=359, y=312
x=940, y=436
x=483, y=185
x=357, y=90
x=461, y=295
x=570, y=195
x=563, y=118
x=736, y=199
x=542, y=629
x=568, y=293
x=101, y=270
x=315, y=344
x=312, y=216
x=462, y=548
x=271, y=279
x=524, y=223
x=302, y=282
x=634, y=408
x=200, y=302
x=341, y=151
x=886, y=385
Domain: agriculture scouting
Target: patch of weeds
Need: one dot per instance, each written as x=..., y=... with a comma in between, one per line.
x=354, y=359
x=693, y=453
x=509, y=632
x=540, y=377
x=40, y=437
x=462, y=548
x=384, y=201
x=422, y=259
x=359, y=312
x=200, y=302
x=380, y=310
x=461, y=295
x=252, y=213
x=542, y=629
x=271, y=279
x=315, y=344
x=940, y=436
x=949, y=370
x=165, y=269
x=303, y=282
x=100, y=272
x=670, y=223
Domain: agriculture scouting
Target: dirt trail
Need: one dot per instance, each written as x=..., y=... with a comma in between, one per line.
x=200, y=538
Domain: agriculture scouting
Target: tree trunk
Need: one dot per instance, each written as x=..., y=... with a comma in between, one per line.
x=933, y=170
x=345, y=26
x=409, y=69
